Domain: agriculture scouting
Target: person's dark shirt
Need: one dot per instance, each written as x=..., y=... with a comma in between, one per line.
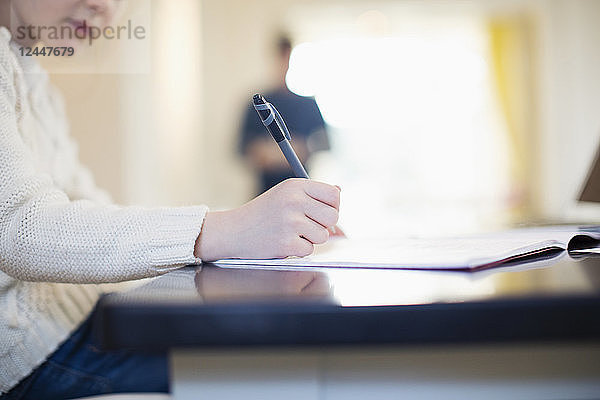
x=302, y=117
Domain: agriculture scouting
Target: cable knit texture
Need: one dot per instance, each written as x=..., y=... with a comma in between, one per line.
x=60, y=238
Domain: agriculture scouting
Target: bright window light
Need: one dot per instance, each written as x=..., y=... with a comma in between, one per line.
x=417, y=137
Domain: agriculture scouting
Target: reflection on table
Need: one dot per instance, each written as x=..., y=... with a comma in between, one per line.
x=370, y=287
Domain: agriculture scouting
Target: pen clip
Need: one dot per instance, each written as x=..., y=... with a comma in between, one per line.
x=280, y=122
x=273, y=115
x=265, y=107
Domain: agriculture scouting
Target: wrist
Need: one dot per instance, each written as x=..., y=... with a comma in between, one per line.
x=214, y=242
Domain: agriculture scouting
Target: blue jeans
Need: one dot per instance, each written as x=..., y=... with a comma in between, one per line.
x=79, y=368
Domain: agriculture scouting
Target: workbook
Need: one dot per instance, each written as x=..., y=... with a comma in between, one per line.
x=466, y=253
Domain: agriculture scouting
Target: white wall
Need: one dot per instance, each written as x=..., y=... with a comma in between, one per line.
x=569, y=99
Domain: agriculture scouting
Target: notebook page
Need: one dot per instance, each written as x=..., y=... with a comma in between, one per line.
x=414, y=253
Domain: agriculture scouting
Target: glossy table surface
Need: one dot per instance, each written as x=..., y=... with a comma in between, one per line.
x=557, y=299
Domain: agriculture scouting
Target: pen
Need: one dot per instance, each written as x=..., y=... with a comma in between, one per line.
x=274, y=123
x=272, y=120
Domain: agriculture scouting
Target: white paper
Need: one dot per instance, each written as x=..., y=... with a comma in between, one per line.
x=425, y=253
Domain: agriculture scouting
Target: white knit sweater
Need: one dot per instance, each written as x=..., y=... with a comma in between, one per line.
x=59, y=235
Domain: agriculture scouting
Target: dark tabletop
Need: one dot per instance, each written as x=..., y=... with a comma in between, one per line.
x=204, y=306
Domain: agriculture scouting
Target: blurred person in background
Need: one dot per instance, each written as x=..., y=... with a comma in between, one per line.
x=302, y=117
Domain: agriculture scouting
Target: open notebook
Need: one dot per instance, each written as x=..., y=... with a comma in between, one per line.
x=460, y=254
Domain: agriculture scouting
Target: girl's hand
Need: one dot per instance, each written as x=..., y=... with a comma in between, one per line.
x=287, y=220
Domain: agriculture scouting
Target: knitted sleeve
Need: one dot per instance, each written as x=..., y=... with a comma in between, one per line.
x=44, y=236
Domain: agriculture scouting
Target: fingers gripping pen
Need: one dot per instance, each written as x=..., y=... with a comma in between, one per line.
x=272, y=120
